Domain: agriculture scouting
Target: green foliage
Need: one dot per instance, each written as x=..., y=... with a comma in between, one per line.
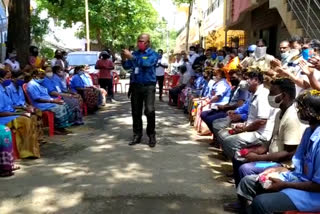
x=39, y=27
x=178, y=2
x=113, y=23
x=46, y=52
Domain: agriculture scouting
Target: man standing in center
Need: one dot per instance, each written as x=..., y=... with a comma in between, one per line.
x=143, y=87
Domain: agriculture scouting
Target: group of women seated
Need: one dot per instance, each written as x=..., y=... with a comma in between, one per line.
x=24, y=96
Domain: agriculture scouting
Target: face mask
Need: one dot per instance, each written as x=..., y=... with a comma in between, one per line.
x=235, y=82
x=294, y=52
x=6, y=83
x=20, y=82
x=285, y=55
x=220, y=58
x=244, y=85
x=191, y=53
x=214, y=78
x=305, y=54
x=272, y=101
x=39, y=80
x=49, y=74
x=240, y=55
x=214, y=56
x=142, y=46
x=260, y=52
x=250, y=54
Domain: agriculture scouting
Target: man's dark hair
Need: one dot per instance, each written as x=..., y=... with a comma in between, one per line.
x=56, y=68
x=160, y=50
x=309, y=103
x=17, y=74
x=192, y=47
x=256, y=74
x=3, y=73
x=238, y=72
x=223, y=52
x=182, y=68
x=261, y=40
x=296, y=38
x=286, y=85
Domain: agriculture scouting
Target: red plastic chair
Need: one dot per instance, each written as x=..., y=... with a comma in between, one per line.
x=170, y=82
x=15, y=148
x=47, y=116
x=85, y=109
x=116, y=82
x=95, y=79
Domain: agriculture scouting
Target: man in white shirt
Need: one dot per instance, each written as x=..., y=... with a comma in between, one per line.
x=259, y=126
x=192, y=55
x=12, y=62
x=160, y=70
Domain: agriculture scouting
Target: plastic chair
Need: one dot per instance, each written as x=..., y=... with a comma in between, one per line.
x=170, y=82
x=47, y=116
x=95, y=79
x=125, y=87
x=84, y=109
x=14, y=145
x=116, y=82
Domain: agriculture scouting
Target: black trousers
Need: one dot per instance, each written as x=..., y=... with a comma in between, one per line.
x=143, y=96
x=160, y=80
x=107, y=85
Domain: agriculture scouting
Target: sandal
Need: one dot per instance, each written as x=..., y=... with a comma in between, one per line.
x=15, y=168
x=6, y=174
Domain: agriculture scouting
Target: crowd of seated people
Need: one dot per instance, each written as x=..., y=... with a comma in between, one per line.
x=264, y=115
x=27, y=94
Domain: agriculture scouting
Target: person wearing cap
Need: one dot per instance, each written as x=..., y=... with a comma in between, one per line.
x=105, y=65
x=12, y=62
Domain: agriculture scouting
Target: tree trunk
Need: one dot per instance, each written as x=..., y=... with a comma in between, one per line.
x=19, y=29
x=188, y=25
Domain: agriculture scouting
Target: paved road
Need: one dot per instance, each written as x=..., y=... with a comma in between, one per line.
x=95, y=171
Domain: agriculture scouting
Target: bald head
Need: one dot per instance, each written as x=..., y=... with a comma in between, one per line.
x=143, y=42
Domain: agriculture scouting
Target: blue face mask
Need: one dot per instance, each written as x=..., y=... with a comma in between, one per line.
x=80, y=72
x=220, y=58
x=6, y=83
x=39, y=80
x=214, y=56
x=305, y=54
x=20, y=82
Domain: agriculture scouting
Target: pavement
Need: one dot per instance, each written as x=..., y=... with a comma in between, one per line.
x=94, y=170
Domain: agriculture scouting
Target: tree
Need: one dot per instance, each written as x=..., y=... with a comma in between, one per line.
x=190, y=3
x=113, y=23
x=19, y=29
x=39, y=27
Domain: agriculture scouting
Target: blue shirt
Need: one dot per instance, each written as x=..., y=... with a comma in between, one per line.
x=223, y=90
x=243, y=110
x=143, y=66
x=307, y=168
x=37, y=91
x=207, y=90
x=80, y=81
x=6, y=105
x=16, y=95
x=53, y=84
x=237, y=95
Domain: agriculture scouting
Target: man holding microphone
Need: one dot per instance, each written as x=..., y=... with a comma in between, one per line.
x=143, y=87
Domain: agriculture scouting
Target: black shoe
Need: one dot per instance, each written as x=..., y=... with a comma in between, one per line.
x=152, y=141
x=136, y=140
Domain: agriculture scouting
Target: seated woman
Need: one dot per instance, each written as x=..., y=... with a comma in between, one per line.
x=34, y=60
x=40, y=99
x=183, y=82
x=220, y=95
x=19, y=121
x=290, y=190
x=16, y=94
x=6, y=152
x=82, y=83
x=55, y=89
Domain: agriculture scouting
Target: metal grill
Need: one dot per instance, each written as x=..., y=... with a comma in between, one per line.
x=307, y=13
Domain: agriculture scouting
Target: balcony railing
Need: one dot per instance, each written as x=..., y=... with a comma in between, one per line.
x=216, y=4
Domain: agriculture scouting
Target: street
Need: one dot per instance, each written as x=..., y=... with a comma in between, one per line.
x=95, y=171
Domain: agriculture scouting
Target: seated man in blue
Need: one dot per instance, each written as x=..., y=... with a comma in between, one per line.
x=81, y=83
x=290, y=190
x=42, y=100
x=55, y=89
x=238, y=97
x=220, y=95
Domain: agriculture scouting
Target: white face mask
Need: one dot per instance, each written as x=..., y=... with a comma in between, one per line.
x=250, y=54
x=244, y=85
x=272, y=101
x=49, y=74
x=285, y=55
x=260, y=52
x=214, y=78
